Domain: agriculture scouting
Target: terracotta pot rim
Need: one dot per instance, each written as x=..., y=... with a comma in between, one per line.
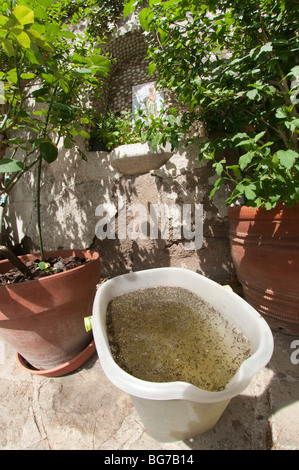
x=94, y=257
x=63, y=369
x=245, y=212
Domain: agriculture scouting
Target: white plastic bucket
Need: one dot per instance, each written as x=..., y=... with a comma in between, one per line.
x=178, y=410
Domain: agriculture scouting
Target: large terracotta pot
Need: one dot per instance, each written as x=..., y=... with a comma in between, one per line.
x=265, y=252
x=44, y=319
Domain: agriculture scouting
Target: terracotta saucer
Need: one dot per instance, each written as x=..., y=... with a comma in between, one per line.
x=63, y=369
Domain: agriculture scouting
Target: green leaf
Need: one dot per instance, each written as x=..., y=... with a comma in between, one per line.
x=218, y=168
x=82, y=154
x=3, y=20
x=236, y=170
x=8, y=48
x=245, y=159
x=82, y=70
x=155, y=141
x=22, y=38
x=129, y=7
x=10, y=166
x=78, y=58
x=151, y=68
x=67, y=108
x=28, y=76
x=217, y=185
x=39, y=92
x=153, y=2
x=287, y=158
x=267, y=47
x=84, y=134
x=259, y=136
x=281, y=113
x=49, y=78
x=250, y=191
x=23, y=15
x=99, y=61
x=295, y=71
x=64, y=85
x=144, y=16
x=44, y=266
x=252, y=94
x=68, y=142
x=67, y=34
x=48, y=151
x=73, y=132
x=39, y=40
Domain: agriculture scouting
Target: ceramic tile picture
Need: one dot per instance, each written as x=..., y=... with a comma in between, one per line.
x=147, y=98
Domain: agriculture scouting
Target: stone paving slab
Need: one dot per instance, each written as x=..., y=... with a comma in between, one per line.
x=84, y=411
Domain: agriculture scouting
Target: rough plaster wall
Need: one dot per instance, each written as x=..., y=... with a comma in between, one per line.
x=72, y=189
x=182, y=180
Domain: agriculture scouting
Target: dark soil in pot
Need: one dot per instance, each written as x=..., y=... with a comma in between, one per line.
x=52, y=265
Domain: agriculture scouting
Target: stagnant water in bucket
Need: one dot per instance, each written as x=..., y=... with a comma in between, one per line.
x=165, y=334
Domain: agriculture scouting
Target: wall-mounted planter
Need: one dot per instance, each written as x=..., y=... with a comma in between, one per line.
x=134, y=159
x=96, y=145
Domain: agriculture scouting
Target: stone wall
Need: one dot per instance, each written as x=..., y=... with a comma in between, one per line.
x=73, y=189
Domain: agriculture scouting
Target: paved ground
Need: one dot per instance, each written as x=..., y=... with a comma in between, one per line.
x=84, y=411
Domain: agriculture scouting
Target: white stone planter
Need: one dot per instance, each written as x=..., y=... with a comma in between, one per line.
x=134, y=159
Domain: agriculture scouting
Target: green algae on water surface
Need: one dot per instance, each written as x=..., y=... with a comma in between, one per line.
x=166, y=334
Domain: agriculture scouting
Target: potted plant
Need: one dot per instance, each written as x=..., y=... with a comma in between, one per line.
x=133, y=149
x=113, y=130
x=45, y=68
x=241, y=80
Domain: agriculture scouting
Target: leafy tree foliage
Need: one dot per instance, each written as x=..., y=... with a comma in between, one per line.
x=232, y=65
x=47, y=69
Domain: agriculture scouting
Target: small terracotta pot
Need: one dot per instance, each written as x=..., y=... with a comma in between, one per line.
x=265, y=252
x=44, y=319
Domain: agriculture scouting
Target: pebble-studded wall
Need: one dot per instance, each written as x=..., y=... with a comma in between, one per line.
x=130, y=68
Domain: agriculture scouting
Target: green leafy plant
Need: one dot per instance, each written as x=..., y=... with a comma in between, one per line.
x=232, y=65
x=46, y=70
x=166, y=127
x=114, y=130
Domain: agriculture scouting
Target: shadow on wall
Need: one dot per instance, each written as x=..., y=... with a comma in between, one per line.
x=72, y=190
x=212, y=259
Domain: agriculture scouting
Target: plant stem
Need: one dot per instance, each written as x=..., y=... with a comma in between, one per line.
x=1, y=223
x=39, y=229
x=9, y=254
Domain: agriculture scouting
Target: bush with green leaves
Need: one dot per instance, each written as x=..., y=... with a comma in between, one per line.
x=233, y=65
x=47, y=68
x=113, y=130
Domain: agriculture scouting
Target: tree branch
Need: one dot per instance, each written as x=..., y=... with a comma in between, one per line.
x=9, y=254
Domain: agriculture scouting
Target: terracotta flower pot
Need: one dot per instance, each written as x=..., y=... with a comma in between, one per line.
x=265, y=252
x=44, y=319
